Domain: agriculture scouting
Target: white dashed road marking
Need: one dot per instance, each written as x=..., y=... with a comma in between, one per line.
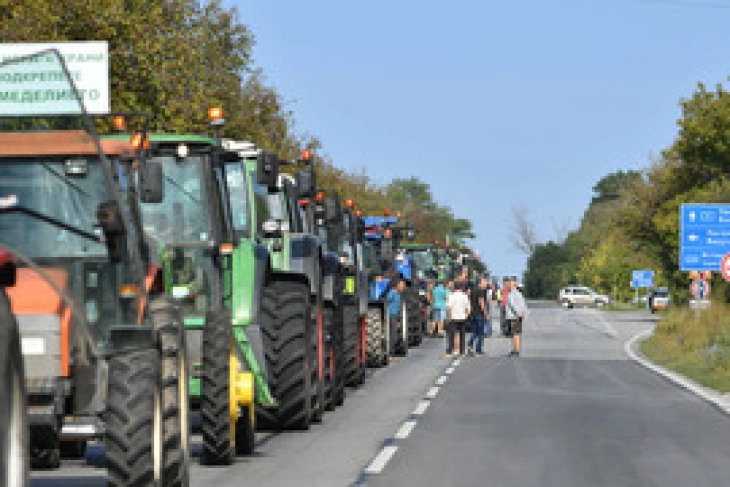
x=387, y=452
x=421, y=408
x=405, y=430
x=379, y=462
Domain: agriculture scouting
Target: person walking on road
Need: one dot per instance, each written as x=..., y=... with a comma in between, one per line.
x=516, y=311
x=502, y=305
x=439, y=295
x=479, y=316
x=459, y=308
x=394, y=310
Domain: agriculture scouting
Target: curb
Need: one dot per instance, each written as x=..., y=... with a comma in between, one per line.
x=708, y=395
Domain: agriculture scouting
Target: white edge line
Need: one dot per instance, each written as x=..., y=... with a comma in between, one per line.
x=405, y=430
x=421, y=408
x=441, y=380
x=432, y=392
x=672, y=376
x=449, y=370
x=381, y=460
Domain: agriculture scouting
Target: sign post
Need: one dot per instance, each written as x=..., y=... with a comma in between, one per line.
x=641, y=279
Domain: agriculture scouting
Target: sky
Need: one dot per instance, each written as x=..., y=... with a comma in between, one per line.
x=497, y=105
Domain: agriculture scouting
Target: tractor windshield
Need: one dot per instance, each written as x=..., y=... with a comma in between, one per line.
x=182, y=217
x=423, y=258
x=48, y=212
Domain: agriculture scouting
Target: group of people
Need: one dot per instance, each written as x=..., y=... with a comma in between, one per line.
x=460, y=306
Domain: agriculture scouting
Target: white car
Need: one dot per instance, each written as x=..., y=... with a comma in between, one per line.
x=572, y=296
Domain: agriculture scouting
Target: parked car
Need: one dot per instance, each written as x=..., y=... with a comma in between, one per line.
x=659, y=299
x=572, y=296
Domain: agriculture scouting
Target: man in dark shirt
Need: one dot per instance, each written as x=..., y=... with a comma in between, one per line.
x=479, y=316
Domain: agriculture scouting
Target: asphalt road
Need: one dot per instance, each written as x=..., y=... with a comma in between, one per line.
x=571, y=411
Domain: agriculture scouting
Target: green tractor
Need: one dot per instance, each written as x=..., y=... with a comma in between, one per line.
x=209, y=263
x=292, y=330
x=104, y=353
x=339, y=318
x=355, y=294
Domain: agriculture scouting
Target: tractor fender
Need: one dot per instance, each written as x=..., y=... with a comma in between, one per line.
x=249, y=264
x=304, y=252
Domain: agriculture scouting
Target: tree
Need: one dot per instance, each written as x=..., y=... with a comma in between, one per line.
x=523, y=232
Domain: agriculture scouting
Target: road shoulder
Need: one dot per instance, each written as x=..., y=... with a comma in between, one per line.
x=717, y=399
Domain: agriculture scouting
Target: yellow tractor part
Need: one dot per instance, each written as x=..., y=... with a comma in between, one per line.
x=241, y=391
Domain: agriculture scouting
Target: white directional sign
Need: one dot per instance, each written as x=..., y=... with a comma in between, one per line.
x=28, y=88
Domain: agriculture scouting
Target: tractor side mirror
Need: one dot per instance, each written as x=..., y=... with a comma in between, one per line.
x=151, y=187
x=112, y=225
x=410, y=232
x=306, y=182
x=332, y=210
x=267, y=170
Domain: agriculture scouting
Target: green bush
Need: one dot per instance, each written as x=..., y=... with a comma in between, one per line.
x=695, y=344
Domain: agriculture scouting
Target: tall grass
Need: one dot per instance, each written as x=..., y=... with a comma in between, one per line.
x=694, y=343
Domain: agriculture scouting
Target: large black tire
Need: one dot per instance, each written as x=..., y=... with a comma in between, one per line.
x=317, y=362
x=399, y=333
x=334, y=371
x=354, y=367
x=413, y=306
x=175, y=402
x=13, y=423
x=377, y=350
x=287, y=350
x=133, y=418
x=218, y=436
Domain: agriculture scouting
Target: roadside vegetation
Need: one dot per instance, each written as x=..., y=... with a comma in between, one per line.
x=695, y=344
x=632, y=221
x=176, y=58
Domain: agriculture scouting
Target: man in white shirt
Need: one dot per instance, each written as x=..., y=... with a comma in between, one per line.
x=515, y=311
x=459, y=309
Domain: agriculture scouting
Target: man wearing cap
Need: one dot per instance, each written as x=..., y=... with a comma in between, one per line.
x=516, y=310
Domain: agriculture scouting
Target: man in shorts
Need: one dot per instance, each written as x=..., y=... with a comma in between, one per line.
x=459, y=309
x=516, y=309
x=502, y=305
x=439, y=295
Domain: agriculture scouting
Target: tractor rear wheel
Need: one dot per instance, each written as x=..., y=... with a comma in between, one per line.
x=354, y=371
x=377, y=351
x=285, y=311
x=215, y=411
x=167, y=321
x=13, y=423
x=413, y=306
x=133, y=419
x=334, y=371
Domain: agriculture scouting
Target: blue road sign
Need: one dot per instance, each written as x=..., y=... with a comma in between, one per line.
x=642, y=279
x=704, y=236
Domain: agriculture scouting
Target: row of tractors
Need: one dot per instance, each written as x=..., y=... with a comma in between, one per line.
x=158, y=285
